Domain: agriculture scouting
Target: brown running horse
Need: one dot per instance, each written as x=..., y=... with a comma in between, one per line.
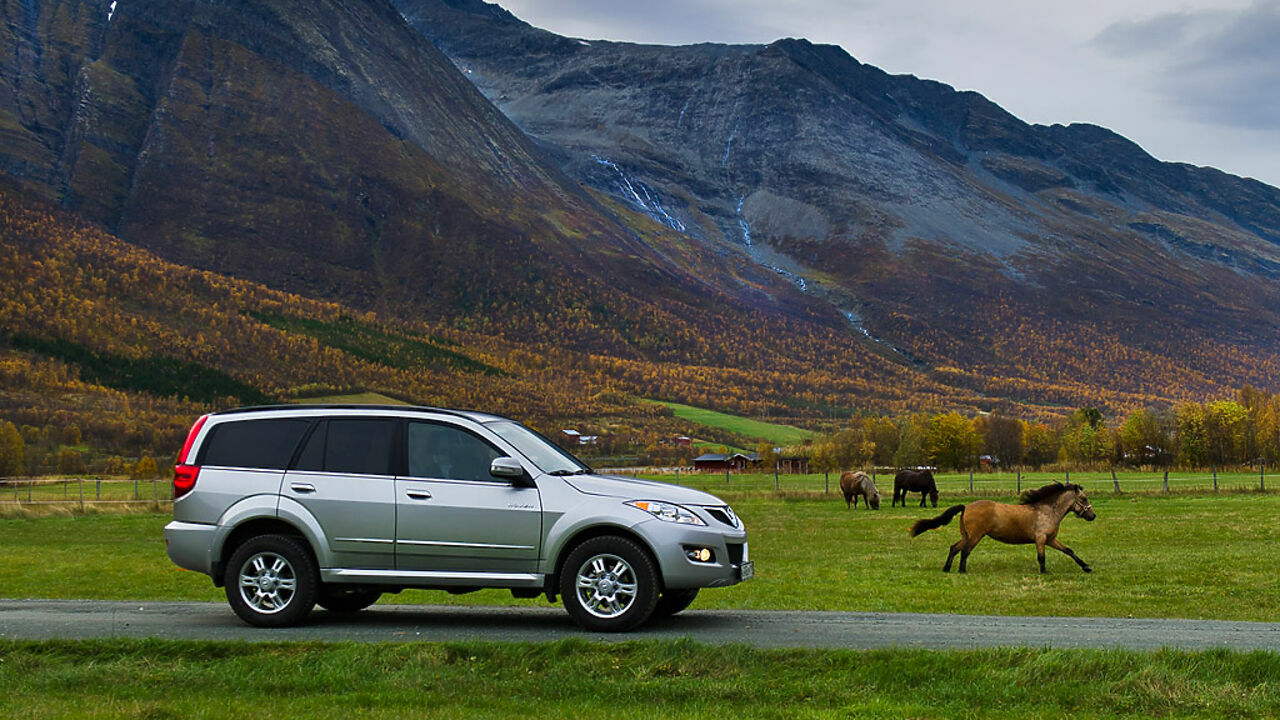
x=855, y=484
x=1034, y=519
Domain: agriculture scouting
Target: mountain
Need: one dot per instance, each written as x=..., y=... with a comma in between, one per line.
x=550, y=227
x=940, y=225
x=327, y=148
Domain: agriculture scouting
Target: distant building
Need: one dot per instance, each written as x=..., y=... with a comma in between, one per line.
x=719, y=462
x=684, y=441
x=578, y=438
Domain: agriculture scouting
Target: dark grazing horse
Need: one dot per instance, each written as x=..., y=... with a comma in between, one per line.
x=855, y=484
x=909, y=481
x=1034, y=519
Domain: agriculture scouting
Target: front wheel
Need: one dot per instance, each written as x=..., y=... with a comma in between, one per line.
x=673, y=601
x=609, y=584
x=271, y=581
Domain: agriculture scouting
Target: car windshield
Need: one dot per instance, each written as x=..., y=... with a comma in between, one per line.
x=549, y=458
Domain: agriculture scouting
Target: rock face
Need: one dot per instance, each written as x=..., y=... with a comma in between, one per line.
x=933, y=218
x=319, y=146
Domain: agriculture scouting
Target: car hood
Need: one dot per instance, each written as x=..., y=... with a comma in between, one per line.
x=627, y=488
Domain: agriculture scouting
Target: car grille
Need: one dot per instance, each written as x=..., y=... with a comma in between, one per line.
x=724, y=515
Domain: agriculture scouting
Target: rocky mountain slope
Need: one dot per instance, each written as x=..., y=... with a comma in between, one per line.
x=770, y=229
x=327, y=148
x=937, y=222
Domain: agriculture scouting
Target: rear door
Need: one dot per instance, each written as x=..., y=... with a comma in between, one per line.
x=344, y=478
x=452, y=515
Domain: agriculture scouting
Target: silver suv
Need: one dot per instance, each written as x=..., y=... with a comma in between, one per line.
x=287, y=507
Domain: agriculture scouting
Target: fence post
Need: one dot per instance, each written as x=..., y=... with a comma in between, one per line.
x=29, y=484
x=1019, y=481
x=1262, y=476
x=1215, y=479
x=970, y=482
x=1114, y=482
x=1068, y=476
x=726, y=476
x=775, y=476
x=80, y=488
x=827, y=489
x=98, y=482
x=1166, y=481
x=135, y=487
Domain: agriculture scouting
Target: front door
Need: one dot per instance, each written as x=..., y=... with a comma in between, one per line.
x=453, y=516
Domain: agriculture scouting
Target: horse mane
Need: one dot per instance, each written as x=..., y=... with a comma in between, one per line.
x=1046, y=493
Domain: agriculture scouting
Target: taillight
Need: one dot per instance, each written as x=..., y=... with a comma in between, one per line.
x=191, y=439
x=184, y=479
x=184, y=475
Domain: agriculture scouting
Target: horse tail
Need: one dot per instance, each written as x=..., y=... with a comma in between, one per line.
x=931, y=523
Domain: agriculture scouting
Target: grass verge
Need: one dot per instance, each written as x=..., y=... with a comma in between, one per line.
x=574, y=678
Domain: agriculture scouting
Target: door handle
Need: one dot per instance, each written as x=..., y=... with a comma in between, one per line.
x=418, y=494
x=303, y=487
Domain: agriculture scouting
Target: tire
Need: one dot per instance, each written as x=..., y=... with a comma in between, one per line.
x=272, y=581
x=674, y=601
x=609, y=584
x=346, y=599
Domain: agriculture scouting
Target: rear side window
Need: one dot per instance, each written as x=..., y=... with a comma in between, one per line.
x=266, y=444
x=356, y=447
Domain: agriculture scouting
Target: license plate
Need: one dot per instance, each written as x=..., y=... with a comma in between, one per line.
x=746, y=571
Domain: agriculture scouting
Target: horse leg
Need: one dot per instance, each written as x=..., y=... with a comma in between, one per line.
x=969, y=544
x=1056, y=544
x=954, y=549
x=922, y=495
x=1040, y=541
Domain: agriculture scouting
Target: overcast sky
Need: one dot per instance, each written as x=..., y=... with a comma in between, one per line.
x=1195, y=82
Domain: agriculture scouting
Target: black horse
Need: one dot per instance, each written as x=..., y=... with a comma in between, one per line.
x=920, y=481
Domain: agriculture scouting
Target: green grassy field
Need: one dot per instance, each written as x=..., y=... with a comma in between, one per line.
x=755, y=429
x=120, y=678
x=577, y=679
x=1185, y=555
x=364, y=398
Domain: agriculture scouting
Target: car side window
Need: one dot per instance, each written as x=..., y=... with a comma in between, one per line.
x=449, y=453
x=266, y=444
x=352, y=446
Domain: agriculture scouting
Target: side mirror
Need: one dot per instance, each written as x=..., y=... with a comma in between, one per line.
x=507, y=467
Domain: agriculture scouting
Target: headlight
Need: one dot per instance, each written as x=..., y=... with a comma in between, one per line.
x=667, y=512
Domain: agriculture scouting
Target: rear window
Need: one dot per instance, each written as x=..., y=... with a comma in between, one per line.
x=267, y=444
x=356, y=446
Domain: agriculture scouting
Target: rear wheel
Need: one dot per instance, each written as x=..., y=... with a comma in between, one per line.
x=346, y=599
x=271, y=581
x=609, y=584
x=673, y=601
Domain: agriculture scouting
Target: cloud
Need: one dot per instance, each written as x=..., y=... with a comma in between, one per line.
x=667, y=22
x=1220, y=66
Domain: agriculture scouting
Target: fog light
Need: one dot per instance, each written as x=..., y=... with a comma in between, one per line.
x=699, y=554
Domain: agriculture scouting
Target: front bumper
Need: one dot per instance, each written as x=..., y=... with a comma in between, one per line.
x=671, y=543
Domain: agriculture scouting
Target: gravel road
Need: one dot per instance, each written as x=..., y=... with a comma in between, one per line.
x=41, y=619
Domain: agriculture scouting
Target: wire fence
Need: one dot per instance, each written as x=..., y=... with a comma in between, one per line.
x=997, y=484
x=156, y=492
x=84, y=491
